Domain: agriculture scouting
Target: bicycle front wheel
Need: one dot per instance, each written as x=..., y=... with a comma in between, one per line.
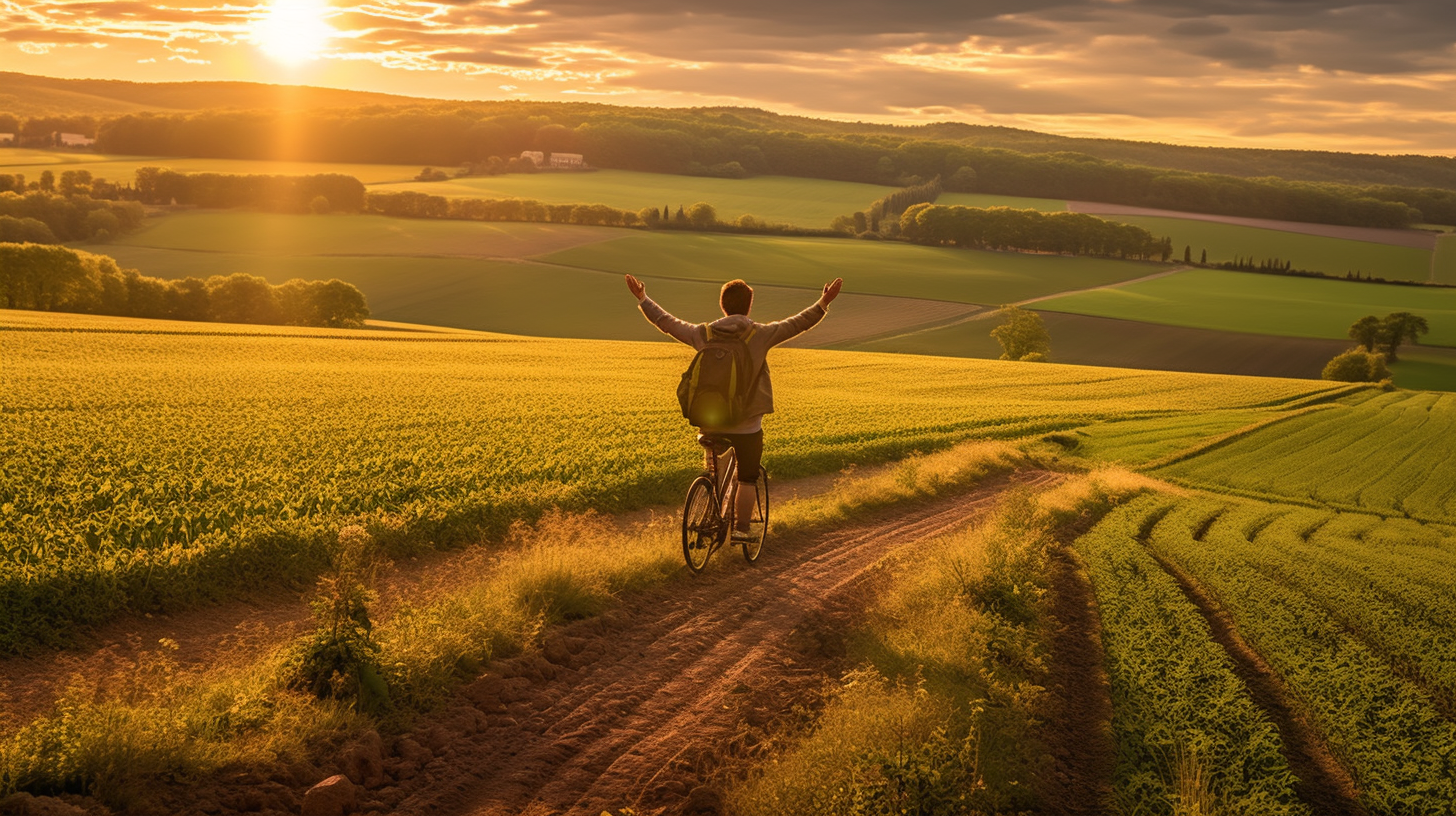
x=700, y=523
x=758, y=524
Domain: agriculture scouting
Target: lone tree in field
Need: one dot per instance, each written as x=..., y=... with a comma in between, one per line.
x=1399, y=327
x=1022, y=335
x=1366, y=331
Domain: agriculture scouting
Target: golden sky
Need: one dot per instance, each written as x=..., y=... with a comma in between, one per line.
x=1377, y=76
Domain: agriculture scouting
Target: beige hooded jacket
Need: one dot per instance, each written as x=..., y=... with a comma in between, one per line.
x=765, y=337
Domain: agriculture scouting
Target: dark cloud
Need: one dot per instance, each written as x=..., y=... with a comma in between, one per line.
x=1198, y=28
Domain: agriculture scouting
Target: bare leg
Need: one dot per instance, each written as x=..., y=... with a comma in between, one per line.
x=743, y=509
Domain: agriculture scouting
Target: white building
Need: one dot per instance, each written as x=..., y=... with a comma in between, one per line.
x=7, y=138
x=75, y=140
x=568, y=160
x=535, y=157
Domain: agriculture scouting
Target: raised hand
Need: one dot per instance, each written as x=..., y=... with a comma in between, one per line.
x=831, y=290
x=637, y=287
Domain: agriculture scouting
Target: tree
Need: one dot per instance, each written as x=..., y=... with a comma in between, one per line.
x=702, y=215
x=1022, y=334
x=47, y=181
x=963, y=180
x=1366, y=331
x=243, y=298
x=1356, y=365
x=1399, y=327
x=1187, y=254
x=1203, y=259
x=319, y=205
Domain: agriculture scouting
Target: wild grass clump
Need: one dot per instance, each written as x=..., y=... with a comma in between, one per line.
x=108, y=736
x=918, y=478
x=942, y=714
x=567, y=566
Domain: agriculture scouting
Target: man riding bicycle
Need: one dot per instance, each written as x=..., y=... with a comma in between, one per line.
x=746, y=437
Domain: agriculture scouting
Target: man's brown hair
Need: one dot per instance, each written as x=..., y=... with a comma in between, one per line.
x=736, y=297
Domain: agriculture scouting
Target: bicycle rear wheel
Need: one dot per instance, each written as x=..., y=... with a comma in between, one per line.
x=758, y=524
x=700, y=524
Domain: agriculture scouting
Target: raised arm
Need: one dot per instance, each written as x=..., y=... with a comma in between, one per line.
x=679, y=330
x=791, y=327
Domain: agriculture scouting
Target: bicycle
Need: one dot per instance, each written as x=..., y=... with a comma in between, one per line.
x=709, y=508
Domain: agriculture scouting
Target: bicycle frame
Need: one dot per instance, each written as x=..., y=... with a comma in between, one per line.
x=723, y=470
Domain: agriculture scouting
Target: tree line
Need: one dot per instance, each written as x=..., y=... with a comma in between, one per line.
x=48, y=218
x=322, y=192
x=701, y=216
x=688, y=142
x=58, y=279
x=1004, y=228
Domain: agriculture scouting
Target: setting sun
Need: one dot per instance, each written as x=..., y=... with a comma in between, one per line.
x=293, y=31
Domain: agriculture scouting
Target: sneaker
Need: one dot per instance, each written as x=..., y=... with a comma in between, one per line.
x=745, y=535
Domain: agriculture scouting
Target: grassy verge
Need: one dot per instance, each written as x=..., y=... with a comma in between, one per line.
x=940, y=715
x=154, y=721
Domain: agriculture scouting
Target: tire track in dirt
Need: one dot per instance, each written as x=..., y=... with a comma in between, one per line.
x=637, y=707
x=1322, y=781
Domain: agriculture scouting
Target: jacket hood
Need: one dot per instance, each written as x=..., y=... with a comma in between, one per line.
x=732, y=326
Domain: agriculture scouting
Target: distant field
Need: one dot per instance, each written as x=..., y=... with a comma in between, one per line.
x=33, y=162
x=1443, y=268
x=868, y=267
x=521, y=297
x=1264, y=304
x=1334, y=256
x=780, y=199
x=270, y=234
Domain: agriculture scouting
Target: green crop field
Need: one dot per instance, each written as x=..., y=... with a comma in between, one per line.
x=869, y=267
x=1443, y=266
x=1264, y=304
x=143, y=469
x=1353, y=612
x=31, y=163
x=1391, y=453
x=1333, y=256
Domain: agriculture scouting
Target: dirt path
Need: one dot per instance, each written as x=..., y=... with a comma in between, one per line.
x=238, y=630
x=638, y=707
x=1078, y=726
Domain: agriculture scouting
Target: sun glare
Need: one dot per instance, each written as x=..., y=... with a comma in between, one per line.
x=294, y=31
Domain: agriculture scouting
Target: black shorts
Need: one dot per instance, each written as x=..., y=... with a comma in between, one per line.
x=749, y=450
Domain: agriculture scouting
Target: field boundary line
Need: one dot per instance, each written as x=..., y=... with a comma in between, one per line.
x=1323, y=781
x=1232, y=436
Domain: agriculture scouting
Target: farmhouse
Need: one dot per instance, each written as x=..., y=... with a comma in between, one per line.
x=74, y=140
x=7, y=138
x=535, y=157
x=567, y=160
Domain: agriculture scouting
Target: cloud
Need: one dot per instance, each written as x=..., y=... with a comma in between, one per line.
x=489, y=58
x=1260, y=71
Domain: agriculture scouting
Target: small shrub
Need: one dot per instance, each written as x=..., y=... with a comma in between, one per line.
x=340, y=661
x=1356, y=365
x=320, y=205
x=1034, y=357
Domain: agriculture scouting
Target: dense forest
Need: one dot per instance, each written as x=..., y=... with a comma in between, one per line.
x=723, y=144
x=58, y=279
x=81, y=102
